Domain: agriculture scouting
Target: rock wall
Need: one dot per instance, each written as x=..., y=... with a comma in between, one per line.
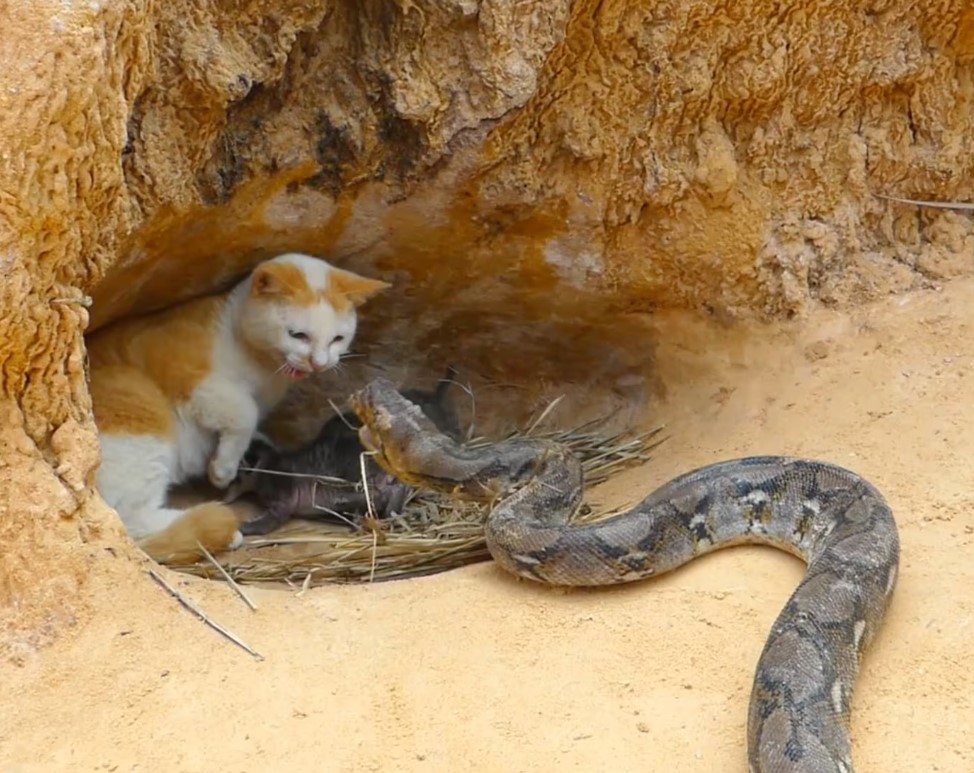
x=535, y=177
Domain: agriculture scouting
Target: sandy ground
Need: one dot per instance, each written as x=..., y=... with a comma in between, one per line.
x=472, y=668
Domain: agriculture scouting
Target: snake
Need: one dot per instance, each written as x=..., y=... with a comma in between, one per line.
x=837, y=522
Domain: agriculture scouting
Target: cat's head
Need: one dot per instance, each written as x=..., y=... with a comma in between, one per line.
x=299, y=313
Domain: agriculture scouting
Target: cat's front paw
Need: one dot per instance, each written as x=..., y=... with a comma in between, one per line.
x=221, y=472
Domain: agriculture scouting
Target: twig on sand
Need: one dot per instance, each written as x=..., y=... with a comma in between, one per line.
x=226, y=576
x=305, y=585
x=924, y=203
x=196, y=611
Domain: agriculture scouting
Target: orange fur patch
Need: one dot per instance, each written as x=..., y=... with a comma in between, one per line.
x=211, y=524
x=125, y=400
x=283, y=280
x=172, y=349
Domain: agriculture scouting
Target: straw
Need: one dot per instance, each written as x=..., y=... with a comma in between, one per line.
x=434, y=534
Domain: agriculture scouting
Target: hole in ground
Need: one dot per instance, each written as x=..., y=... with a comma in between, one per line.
x=519, y=364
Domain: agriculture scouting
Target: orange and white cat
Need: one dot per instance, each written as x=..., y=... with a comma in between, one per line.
x=178, y=394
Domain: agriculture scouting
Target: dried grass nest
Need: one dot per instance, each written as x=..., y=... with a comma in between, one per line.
x=434, y=534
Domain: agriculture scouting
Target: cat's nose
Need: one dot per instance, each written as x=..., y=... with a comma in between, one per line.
x=319, y=363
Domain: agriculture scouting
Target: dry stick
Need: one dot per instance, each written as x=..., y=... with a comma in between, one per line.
x=316, y=506
x=196, y=611
x=260, y=543
x=226, y=575
x=365, y=483
x=304, y=585
x=368, y=502
x=375, y=546
x=923, y=203
x=473, y=404
x=84, y=300
x=544, y=414
x=340, y=415
x=323, y=478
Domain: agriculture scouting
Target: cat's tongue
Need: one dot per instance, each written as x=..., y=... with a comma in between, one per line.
x=297, y=375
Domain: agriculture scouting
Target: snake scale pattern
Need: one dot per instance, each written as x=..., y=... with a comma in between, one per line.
x=838, y=523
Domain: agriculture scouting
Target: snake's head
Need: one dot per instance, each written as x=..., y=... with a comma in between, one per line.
x=395, y=430
x=372, y=415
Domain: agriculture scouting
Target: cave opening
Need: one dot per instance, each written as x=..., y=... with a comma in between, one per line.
x=500, y=370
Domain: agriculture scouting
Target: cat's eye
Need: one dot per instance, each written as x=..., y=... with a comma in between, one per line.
x=299, y=335
x=337, y=339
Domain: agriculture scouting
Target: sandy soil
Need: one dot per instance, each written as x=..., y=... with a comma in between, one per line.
x=476, y=669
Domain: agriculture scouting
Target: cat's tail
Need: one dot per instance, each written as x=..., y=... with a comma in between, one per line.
x=211, y=524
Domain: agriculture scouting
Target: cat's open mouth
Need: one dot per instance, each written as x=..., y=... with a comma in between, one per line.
x=294, y=373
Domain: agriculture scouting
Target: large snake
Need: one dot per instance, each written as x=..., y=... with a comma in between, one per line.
x=798, y=719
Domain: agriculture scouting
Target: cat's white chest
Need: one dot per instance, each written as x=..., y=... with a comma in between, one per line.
x=235, y=367
x=194, y=448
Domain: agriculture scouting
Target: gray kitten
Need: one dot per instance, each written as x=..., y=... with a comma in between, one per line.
x=335, y=453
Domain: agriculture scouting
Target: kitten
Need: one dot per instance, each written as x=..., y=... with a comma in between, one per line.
x=335, y=453
x=178, y=393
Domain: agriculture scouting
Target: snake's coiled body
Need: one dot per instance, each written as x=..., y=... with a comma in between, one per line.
x=837, y=522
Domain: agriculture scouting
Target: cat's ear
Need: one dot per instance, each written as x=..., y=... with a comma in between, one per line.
x=266, y=282
x=281, y=279
x=357, y=289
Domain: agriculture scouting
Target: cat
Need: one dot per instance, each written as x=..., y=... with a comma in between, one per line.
x=177, y=394
x=334, y=453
